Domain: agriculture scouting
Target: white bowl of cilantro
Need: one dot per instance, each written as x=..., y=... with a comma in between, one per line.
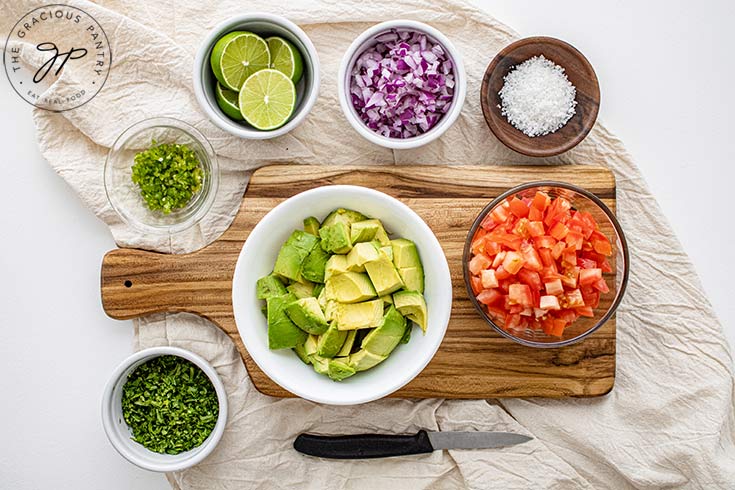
x=347, y=369
x=164, y=409
x=161, y=175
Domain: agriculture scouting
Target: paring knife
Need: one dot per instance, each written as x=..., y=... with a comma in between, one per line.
x=363, y=446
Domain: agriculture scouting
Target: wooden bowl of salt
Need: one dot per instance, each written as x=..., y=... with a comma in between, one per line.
x=540, y=96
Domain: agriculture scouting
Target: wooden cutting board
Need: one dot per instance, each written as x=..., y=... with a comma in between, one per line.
x=472, y=362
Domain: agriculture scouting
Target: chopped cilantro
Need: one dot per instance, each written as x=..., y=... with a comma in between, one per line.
x=169, y=404
x=168, y=175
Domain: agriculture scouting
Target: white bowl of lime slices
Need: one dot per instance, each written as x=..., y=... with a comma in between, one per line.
x=256, y=75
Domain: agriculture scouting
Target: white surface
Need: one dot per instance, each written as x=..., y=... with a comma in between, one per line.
x=665, y=78
x=258, y=256
x=367, y=40
x=118, y=431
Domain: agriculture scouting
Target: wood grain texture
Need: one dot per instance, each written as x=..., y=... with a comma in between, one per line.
x=578, y=70
x=472, y=362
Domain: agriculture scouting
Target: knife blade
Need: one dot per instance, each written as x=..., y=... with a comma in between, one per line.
x=364, y=446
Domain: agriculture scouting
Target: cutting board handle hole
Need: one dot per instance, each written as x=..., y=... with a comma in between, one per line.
x=128, y=283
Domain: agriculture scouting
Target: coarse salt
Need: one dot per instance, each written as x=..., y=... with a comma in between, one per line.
x=537, y=98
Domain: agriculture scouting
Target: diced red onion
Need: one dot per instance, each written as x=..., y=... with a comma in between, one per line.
x=403, y=85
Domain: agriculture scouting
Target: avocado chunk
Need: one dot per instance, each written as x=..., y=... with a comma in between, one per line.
x=314, y=265
x=282, y=332
x=330, y=342
x=388, y=250
x=293, y=253
x=269, y=286
x=364, y=231
x=386, y=337
x=338, y=370
x=346, y=216
x=360, y=254
x=303, y=289
x=337, y=264
x=307, y=315
x=310, y=345
x=363, y=360
x=336, y=238
x=412, y=305
x=350, y=287
x=330, y=310
x=407, y=334
x=407, y=261
x=359, y=315
x=321, y=364
x=311, y=226
x=301, y=352
x=347, y=346
x=383, y=274
x=387, y=299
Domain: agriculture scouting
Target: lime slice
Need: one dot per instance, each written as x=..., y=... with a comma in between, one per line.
x=227, y=101
x=286, y=58
x=267, y=99
x=238, y=55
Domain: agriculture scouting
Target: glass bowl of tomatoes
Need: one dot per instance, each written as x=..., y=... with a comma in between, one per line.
x=546, y=264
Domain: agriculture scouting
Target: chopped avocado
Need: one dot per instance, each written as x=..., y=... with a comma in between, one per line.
x=364, y=231
x=363, y=360
x=346, y=216
x=301, y=352
x=339, y=370
x=386, y=337
x=347, y=346
x=407, y=261
x=359, y=255
x=318, y=288
x=268, y=286
x=321, y=364
x=406, y=335
x=307, y=315
x=282, y=332
x=387, y=299
x=330, y=342
x=335, y=238
x=388, y=251
x=311, y=226
x=301, y=289
x=330, y=310
x=322, y=299
x=314, y=265
x=350, y=287
x=412, y=305
x=337, y=264
x=383, y=274
x=293, y=253
x=310, y=344
x=359, y=315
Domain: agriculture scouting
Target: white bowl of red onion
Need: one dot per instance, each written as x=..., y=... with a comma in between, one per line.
x=401, y=84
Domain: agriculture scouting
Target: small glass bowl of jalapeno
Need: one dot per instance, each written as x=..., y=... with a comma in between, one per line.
x=161, y=175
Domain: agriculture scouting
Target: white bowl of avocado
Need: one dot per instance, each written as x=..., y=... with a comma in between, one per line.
x=342, y=294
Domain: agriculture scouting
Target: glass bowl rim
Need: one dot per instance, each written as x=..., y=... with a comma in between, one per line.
x=211, y=162
x=618, y=230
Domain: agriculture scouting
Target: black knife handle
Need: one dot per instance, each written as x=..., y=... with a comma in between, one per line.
x=363, y=446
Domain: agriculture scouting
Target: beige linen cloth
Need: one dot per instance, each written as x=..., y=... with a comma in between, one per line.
x=669, y=421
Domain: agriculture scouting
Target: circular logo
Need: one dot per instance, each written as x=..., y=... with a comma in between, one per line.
x=57, y=57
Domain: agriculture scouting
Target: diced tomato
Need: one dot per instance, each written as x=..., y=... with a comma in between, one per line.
x=589, y=276
x=605, y=266
x=546, y=258
x=520, y=294
x=518, y=207
x=601, y=286
x=488, y=223
x=549, y=303
x=574, y=298
x=531, y=258
x=488, y=279
x=585, y=311
x=513, y=262
x=501, y=274
x=535, y=214
x=478, y=245
x=554, y=287
x=570, y=276
x=490, y=297
x=496, y=313
x=476, y=283
x=506, y=239
x=558, y=211
x=521, y=228
x=535, y=228
x=498, y=259
x=557, y=329
x=591, y=297
x=558, y=250
x=586, y=263
x=574, y=239
x=550, y=273
x=532, y=279
x=500, y=214
x=559, y=231
x=478, y=263
x=492, y=248
x=601, y=244
x=513, y=322
x=567, y=315
x=515, y=309
x=540, y=201
x=545, y=241
x=569, y=256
